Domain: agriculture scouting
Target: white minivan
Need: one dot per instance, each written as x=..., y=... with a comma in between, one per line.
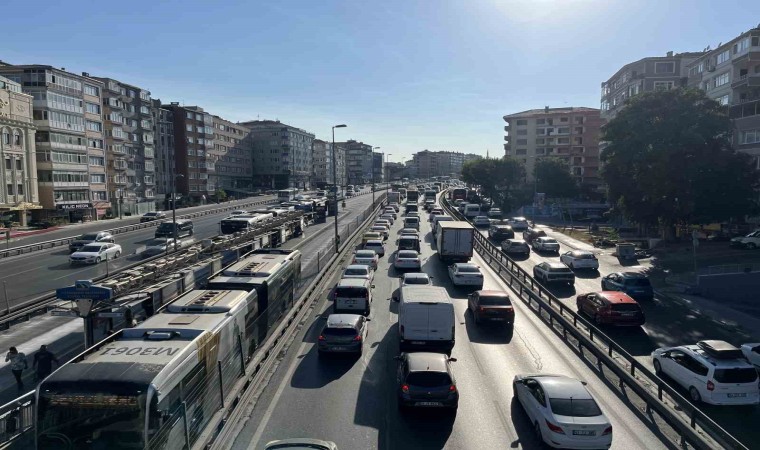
x=471, y=210
x=352, y=296
x=425, y=319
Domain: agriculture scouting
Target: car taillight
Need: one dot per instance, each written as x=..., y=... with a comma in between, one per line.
x=710, y=385
x=404, y=387
x=607, y=431
x=358, y=337
x=453, y=388
x=321, y=337
x=555, y=428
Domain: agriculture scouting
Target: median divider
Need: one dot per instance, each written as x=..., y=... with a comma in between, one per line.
x=693, y=427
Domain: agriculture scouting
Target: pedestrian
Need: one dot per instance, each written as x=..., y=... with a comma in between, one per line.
x=18, y=364
x=43, y=362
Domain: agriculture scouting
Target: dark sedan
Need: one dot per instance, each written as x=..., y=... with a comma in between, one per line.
x=425, y=380
x=632, y=283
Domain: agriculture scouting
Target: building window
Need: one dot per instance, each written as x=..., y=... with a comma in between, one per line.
x=521, y=122
x=97, y=178
x=665, y=67
x=92, y=108
x=721, y=79
x=749, y=137
x=16, y=138
x=94, y=126
x=723, y=56
x=522, y=132
x=19, y=165
x=663, y=85
x=189, y=127
x=723, y=100
x=97, y=161
x=6, y=138
x=99, y=195
x=91, y=90
x=522, y=142
x=10, y=189
x=741, y=46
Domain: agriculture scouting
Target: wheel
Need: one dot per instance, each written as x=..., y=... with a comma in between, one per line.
x=97, y=260
x=116, y=255
x=751, y=246
x=657, y=367
x=694, y=394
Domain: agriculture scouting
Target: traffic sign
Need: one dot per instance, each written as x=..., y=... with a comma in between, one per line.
x=84, y=289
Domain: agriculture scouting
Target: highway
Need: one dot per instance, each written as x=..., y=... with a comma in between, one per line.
x=63, y=335
x=667, y=324
x=352, y=401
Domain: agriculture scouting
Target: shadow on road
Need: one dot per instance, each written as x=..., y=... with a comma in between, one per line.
x=487, y=333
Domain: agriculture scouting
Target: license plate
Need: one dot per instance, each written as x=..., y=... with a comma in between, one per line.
x=498, y=319
x=418, y=342
x=338, y=348
x=740, y=395
x=584, y=433
x=629, y=314
x=428, y=404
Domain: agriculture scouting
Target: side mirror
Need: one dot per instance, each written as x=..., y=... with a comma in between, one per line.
x=368, y=319
x=452, y=359
x=373, y=286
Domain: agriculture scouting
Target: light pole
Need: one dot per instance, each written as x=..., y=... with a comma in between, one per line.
x=373, y=174
x=335, y=183
x=388, y=176
x=174, y=208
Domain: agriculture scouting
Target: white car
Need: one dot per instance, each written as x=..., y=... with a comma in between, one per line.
x=383, y=222
x=580, y=259
x=466, y=274
x=752, y=353
x=481, y=221
x=713, y=372
x=238, y=212
x=395, y=206
x=365, y=257
x=415, y=278
x=519, y=223
x=407, y=259
x=362, y=271
x=413, y=231
x=391, y=211
x=494, y=213
x=382, y=229
x=388, y=217
x=95, y=253
x=545, y=244
x=375, y=245
x=160, y=245
x=435, y=212
x=562, y=411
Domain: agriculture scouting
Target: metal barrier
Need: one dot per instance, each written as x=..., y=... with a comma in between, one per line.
x=17, y=417
x=566, y=322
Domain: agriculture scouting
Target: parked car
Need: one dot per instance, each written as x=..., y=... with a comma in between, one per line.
x=466, y=274
x=499, y=232
x=563, y=412
x=90, y=238
x=366, y=257
x=364, y=271
x=515, y=246
x=580, y=259
x=376, y=245
x=752, y=353
x=95, y=253
x=407, y=259
x=426, y=380
x=553, y=272
x=713, y=372
x=632, y=283
x=545, y=244
x=533, y=233
x=155, y=215
x=610, y=308
x=491, y=305
x=481, y=221
x=343, y=333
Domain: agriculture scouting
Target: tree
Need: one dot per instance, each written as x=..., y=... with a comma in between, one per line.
x=221, y=195
x=669, y=161
x=499, y=179
x=553, y=178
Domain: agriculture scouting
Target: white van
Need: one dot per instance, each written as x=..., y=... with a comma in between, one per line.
x=471, y=210
x=353, y=296
x=425, y=319
x=412, y=222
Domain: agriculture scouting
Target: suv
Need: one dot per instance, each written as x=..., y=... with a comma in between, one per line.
x=166, y=229
x=500, y=232
x=153, y=215
x=426, y=380
x=713, y=372
x=550, y=272
x=90, y=238
x=343, y=333
x=632, y=283
x=611, y=308
x=533, y=233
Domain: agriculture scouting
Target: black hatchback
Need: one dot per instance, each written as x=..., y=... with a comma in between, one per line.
x=343, y=333
x=501, y=232
x=425, y=380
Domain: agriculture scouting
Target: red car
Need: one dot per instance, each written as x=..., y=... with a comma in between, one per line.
x=611, y=308
x=492, y=306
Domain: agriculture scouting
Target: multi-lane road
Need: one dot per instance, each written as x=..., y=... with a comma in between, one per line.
x=351, y=401
x=64, y=336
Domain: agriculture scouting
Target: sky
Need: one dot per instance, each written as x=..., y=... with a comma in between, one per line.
x=403, y=75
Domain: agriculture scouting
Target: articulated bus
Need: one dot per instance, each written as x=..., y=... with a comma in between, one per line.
x=235, y=224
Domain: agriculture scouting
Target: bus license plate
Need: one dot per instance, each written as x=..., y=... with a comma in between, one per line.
x=584, y=433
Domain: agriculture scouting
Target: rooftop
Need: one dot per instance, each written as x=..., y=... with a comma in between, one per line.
x=423, y=362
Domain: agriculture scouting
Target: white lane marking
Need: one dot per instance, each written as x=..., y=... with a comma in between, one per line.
x=19, y=273
x=276, y=399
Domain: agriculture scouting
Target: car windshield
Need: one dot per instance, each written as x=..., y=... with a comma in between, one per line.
x=548, y=241
x=88, y=237
x=640, y=282
x=355, y=271
x=495, y=300
x=416, y=280
x=407, y=254
x=428, y=379
x=736, y=375
x=149, y=214
x=468, y=269
x=583, y=255
x=575, y=407
x=367, y=254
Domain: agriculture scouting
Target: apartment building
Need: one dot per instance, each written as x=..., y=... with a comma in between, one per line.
x=18, y=178
x=163, y=142
x=130, y=145
x=322, y=162
x=69, y=144
x=232, y=155
x=281, y=154
x=193, y=139
x=377, y=167
x=569, y=133
x=645, y=75
x=730, y=74
x=394, y=171
x=358, y=162
x=440, y=163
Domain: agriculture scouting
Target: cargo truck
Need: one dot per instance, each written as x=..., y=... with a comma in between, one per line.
x=454, y=241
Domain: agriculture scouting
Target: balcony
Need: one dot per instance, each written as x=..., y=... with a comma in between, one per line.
x=745, y=107
x=149, y=181
x=748, y=79
x=507, y=128
x=119, y=180
x=507, y=139
x=68, y=184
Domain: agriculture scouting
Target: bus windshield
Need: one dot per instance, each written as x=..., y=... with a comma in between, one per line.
x=90, y=421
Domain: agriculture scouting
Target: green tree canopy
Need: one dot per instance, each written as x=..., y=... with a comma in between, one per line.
x=554, y=178
x=499, y=179
x=670, y=161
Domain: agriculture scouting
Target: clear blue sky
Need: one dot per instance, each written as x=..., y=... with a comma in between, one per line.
x=404, y=75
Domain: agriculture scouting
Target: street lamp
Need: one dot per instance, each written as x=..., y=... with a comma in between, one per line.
x=174, y=207
x=335, y=183
x=373, y=174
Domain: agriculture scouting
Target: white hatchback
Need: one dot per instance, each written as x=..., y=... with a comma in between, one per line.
x=466, y=274
x=377, y=246
x=580, y=259
x=366, y=257
x=407, y=259
x=359, y=271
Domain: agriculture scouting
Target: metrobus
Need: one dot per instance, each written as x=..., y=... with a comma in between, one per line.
x=286, y=195
x=237, y=224
x=156, y=385
x=459, y=194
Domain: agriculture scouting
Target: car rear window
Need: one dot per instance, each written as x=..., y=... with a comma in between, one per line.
x=575, y=407
x=356, y=271
x=468, y=269
x=584, y=256
x=412, y=219
x=642, y=282
x=367, y=254
x=736, y=375
x=339, y=331
x=428, y=379
x=625, y=307
x=495, y=300
x=407, y=254
x=560, y=270
x=415, y=280
x=351, y=292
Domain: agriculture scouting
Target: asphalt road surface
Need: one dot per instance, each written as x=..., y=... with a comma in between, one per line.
x=352, y=401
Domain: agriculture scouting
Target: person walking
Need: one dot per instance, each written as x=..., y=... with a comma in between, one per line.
x=43, y=362
x=18, y=364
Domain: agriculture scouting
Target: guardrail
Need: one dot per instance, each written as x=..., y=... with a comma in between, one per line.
x=30, y=248
x=608, y=354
